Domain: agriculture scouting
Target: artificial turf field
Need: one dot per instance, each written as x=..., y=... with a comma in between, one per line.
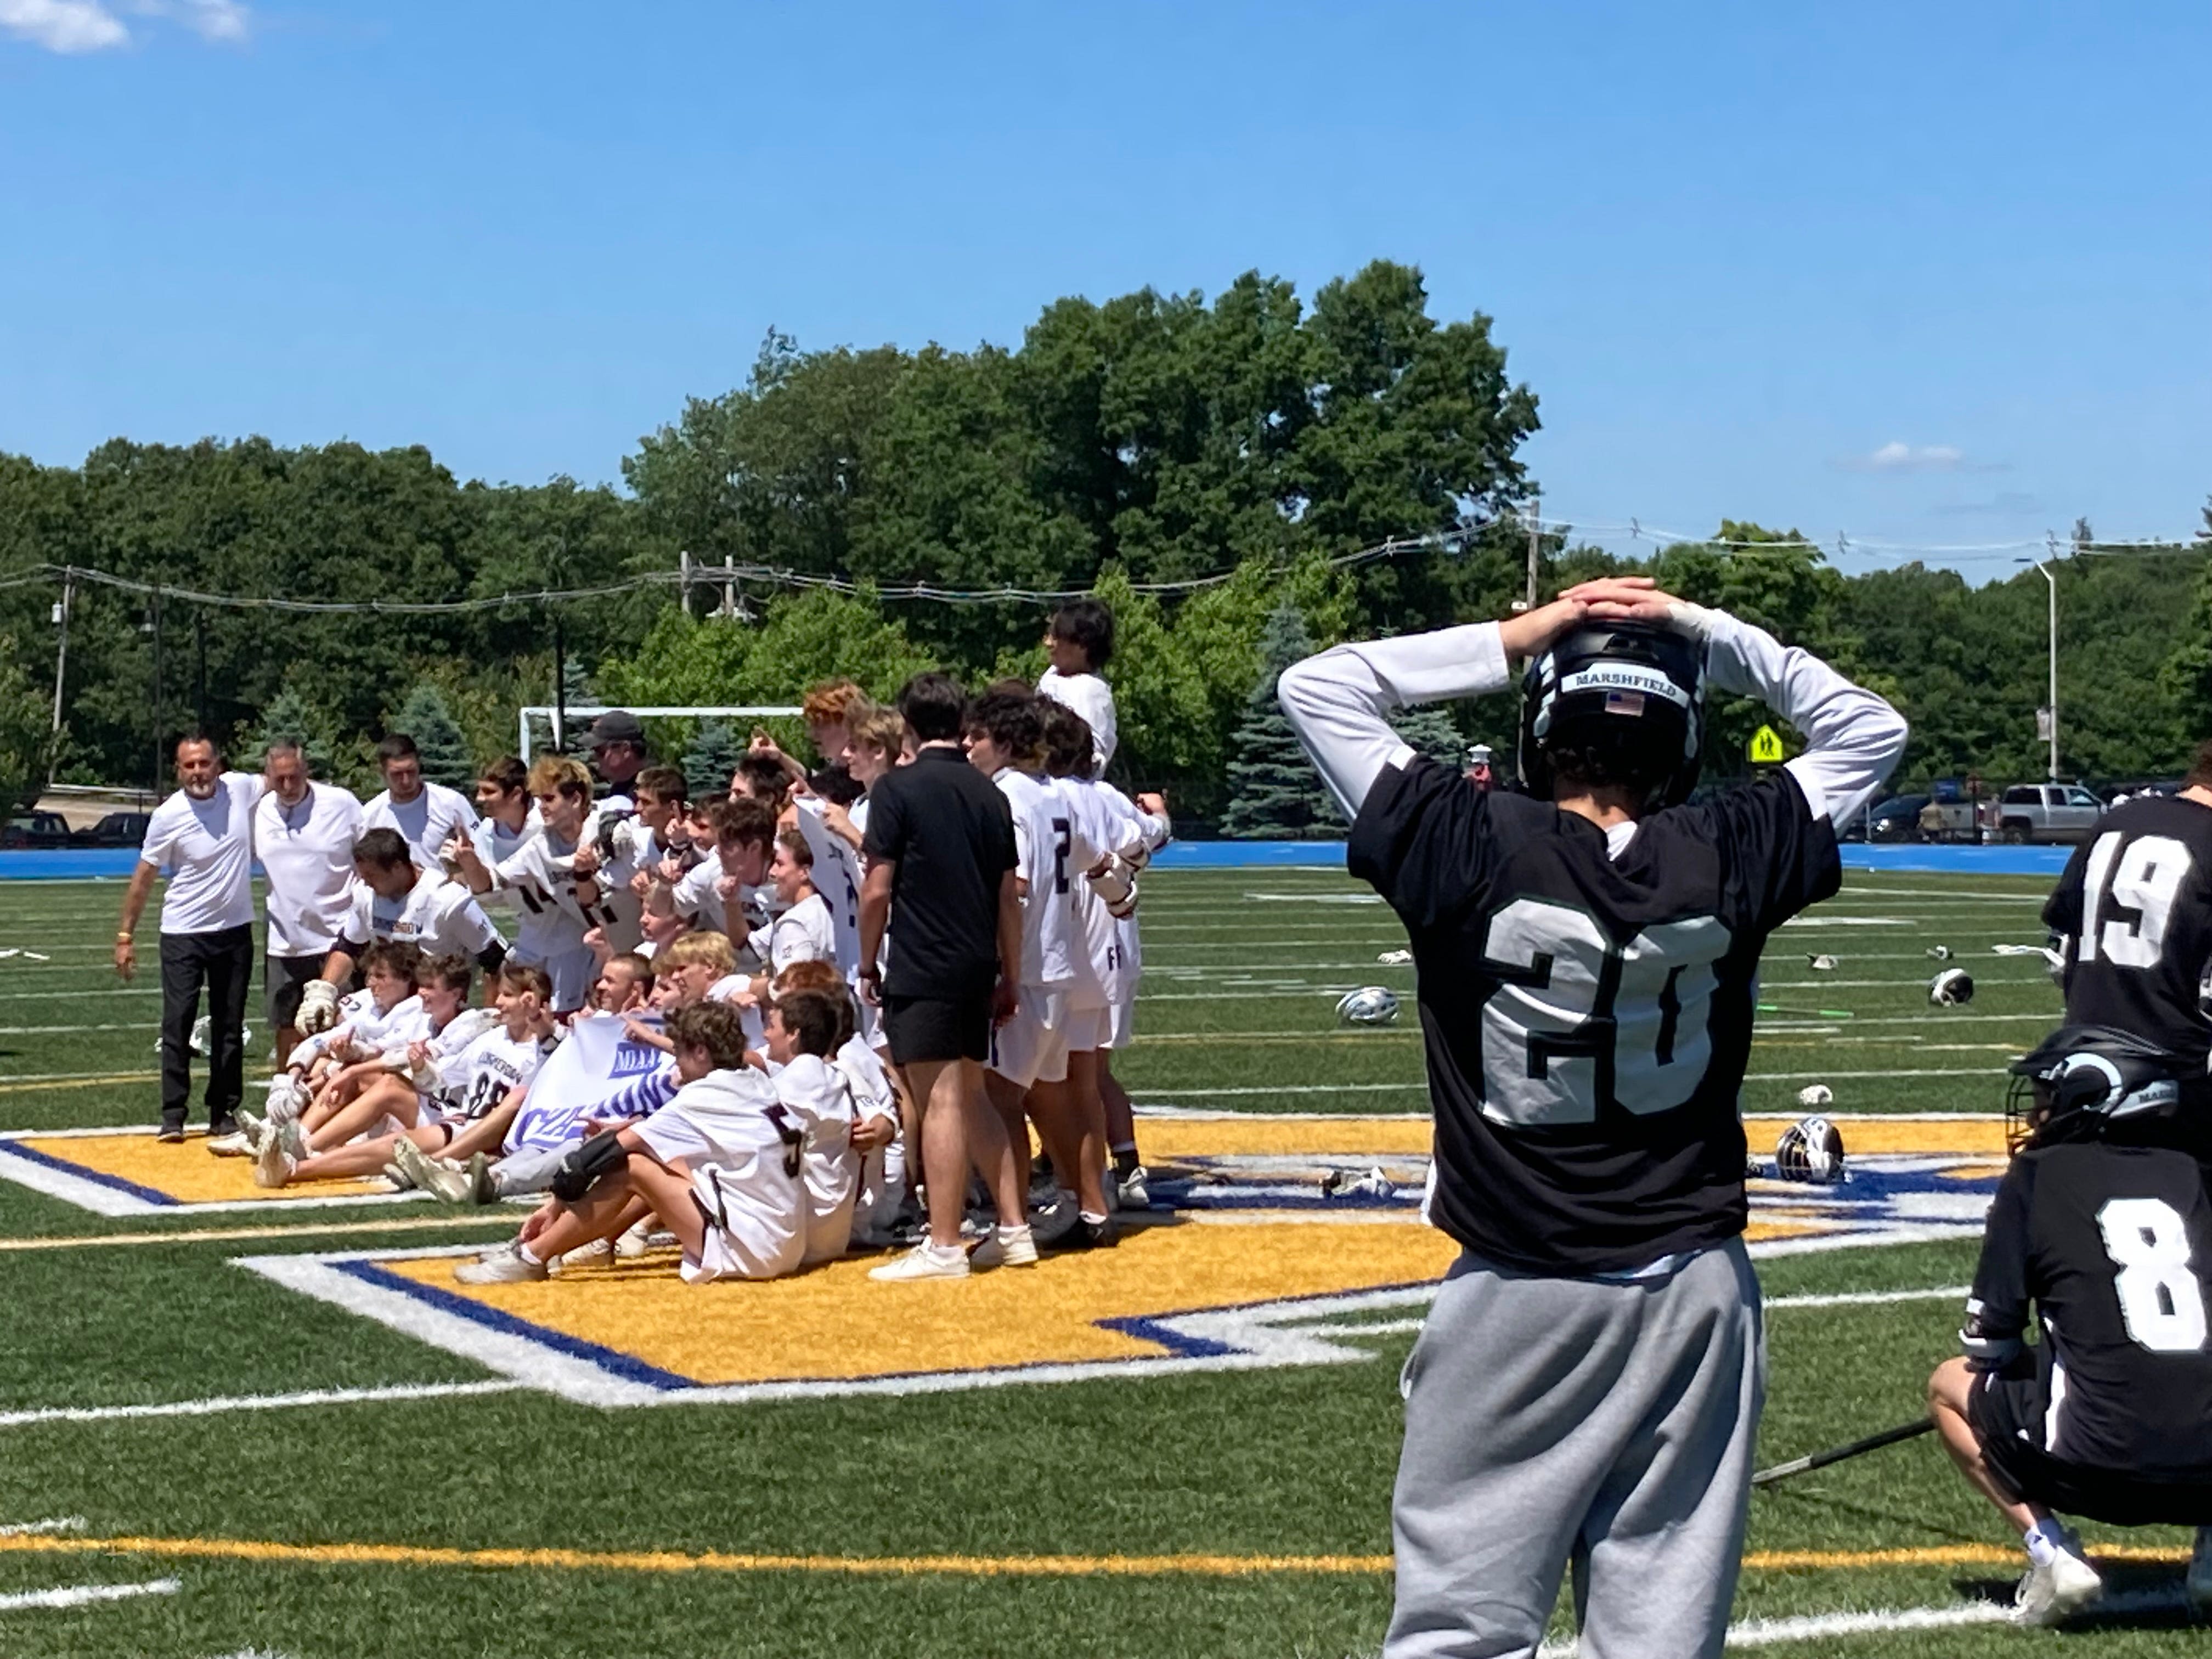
x=1183, y=1447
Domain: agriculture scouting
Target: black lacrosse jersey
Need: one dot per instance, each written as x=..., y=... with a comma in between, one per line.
x=1586, y=1020
x=2114, y=1245
x=2135, y=912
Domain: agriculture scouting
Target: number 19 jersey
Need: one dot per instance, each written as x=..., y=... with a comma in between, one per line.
x=1587, y=1018
x=2135, y=910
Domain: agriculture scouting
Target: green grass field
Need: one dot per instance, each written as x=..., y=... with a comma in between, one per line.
x=1101, y=1508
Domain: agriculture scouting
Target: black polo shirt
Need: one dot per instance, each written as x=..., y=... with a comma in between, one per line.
x=949, y=831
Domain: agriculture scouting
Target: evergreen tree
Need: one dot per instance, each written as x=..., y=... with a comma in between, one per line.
x=425, y=718
x=289, y=718
x=1275, y=793
x=712, y=756
x=1429, y=729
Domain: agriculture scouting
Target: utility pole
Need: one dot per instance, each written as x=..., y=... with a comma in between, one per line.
x=1535, y=541
x=2050, y=575
x=729, y=588
x=61, y=669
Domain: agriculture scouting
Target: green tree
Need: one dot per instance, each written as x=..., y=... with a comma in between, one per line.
x=425, y=718
x=713, y=755
x=26, y=732
x=289, y=719
x=1275, y=793
x=1430, y=730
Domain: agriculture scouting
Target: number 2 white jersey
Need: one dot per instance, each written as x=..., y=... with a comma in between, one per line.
x=1044, y=842
x=1587, y=1016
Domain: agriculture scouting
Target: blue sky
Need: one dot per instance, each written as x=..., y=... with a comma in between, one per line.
x=1928, y=275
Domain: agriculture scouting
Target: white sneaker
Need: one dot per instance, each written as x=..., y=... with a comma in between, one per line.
x=633, y=1243
x=924, y=1261
x=1133, y=1193
x=1017, y=1247
x=509, y=1267
x=2055, y=1590
x=442, y=1180
x=600, y=1249
x=237, y=1144
x=2198, y=1583
x=272, y=1164
x=292, y=1136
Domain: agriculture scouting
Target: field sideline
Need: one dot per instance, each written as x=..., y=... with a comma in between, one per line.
x=229, y=1424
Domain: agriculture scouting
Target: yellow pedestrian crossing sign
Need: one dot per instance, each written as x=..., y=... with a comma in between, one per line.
x=1766, y=746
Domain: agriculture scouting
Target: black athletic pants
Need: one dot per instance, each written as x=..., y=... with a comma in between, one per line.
x=223, y=963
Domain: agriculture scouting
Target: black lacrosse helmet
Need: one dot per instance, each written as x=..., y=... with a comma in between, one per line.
x=1627, y=699
x=2082, y=1079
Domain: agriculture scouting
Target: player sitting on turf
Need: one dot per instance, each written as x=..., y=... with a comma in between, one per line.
x=397, y=900
x=720, y=1165
x=805, y=1031
x=875, y=1138
x=2102, y=1223
x=319, y=1077
x=445, y=1086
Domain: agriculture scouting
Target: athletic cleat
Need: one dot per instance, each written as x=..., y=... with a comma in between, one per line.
x=1005, y=1247
x=924, y=1261
x=236, y=1144
x=633, y=1243
x=1089, y=1233
x=2198, y=1583
x=252, y=1128
x=447, y=1182
x=1136, y=1194
x=600, y=1249
x=2053, y=1591
x=481, y=1189
x=511, y=1268
x=292, y=1136
x=273, y=1164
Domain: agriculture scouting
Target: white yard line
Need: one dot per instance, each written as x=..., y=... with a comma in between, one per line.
x=255, y=1402
x=1870, y=1299
x=32, y=1528
x=79, y=1595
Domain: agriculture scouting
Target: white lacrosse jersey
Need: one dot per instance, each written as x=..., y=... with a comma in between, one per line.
x=365, y=1029
x=814, y=1095
x=634, y=848
x=442, y=1074
x=1154, y=834
x=746, y=1154
x=486, y=1071
x=697, y=901
x=804, y=932
x=306, y=853
x=433, y=818
x=1043, y=846
x=1091, y=697
x=437, y=914
x=540, y=873
x=1098, y=828
x=495, y=844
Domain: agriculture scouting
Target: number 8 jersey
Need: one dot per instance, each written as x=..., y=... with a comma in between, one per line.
x=1587, y=1004
x=2114, y=1245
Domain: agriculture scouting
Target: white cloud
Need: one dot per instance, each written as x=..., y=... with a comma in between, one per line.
x=72, y=26
x=1894, y=457
x=64, y=25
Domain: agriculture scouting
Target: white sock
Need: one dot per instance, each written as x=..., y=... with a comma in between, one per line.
x=1096, y=1220
x=528, y=1255
x=2045, y=1541
x=1008, y=1235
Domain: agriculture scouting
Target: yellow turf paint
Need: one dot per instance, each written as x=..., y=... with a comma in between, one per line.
x=833, y=1323
x=1869, y=1134
x=1165, y=1138
x=974, y=1566
x=188, y=1173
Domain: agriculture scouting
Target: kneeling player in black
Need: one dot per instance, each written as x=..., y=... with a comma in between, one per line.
x=2102, y=1223
x=1587, y=1386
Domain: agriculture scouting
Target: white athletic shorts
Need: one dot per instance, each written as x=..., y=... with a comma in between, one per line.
x=738, y=1245
x=1087, y=1028
x=1032, y=1046
x=1120, y=1023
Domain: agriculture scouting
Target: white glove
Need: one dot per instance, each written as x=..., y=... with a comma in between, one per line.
x=287, y=1095
x=319, y=1006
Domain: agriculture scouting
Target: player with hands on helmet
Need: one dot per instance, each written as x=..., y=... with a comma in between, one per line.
x=1587, y=1386
x=2103, y=1225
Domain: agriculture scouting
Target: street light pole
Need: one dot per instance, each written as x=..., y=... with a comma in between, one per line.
x=2044, y=569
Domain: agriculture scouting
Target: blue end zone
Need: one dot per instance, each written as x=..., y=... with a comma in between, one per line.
x=80, y=864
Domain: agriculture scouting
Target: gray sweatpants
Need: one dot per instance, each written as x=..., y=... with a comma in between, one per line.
x=1557, y=1420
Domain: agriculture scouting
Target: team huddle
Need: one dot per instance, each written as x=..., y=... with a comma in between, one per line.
x=825, y=1011
x=753, y=1025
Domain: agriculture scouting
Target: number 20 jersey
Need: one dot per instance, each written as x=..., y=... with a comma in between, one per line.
x=2135, y=909
x=1586, y=1019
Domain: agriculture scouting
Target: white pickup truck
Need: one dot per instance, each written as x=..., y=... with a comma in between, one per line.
x=2041, y=811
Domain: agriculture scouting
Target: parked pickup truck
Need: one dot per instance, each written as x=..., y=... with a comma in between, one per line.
x=2041, y=811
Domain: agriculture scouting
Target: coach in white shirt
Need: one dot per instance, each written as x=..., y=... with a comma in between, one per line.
x=204, y=833
x=303, y=834
x=426, y=815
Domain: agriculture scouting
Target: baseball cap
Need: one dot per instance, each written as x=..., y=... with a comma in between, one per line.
x=617, y=725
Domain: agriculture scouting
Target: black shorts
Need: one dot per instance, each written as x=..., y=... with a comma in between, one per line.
x=2007, y=1409
x=921, y=1029
x=283, y=979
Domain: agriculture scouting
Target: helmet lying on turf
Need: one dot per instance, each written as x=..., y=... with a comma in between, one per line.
x=1370, y=1005
x=1952, y=988
x=1811, y=1149
x=2081, y=1078
x=1626, y=700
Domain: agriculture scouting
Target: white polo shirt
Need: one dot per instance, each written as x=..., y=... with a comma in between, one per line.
x=207, y=846
x=426, y=822
x=306, y=853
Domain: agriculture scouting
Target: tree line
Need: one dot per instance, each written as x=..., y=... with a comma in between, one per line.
x=1255, y=437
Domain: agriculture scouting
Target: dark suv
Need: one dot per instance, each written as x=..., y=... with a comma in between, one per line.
x=116, y=830
x=35, y=830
